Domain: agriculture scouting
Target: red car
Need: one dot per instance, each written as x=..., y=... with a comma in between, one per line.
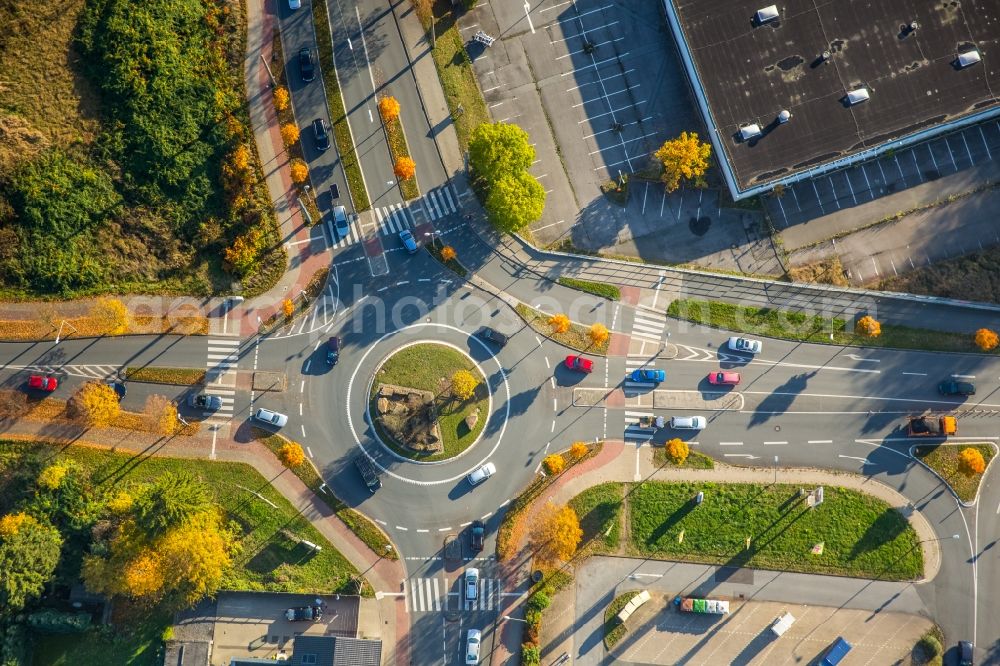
x=40, y=383
x=579, y=363
x=724, y=378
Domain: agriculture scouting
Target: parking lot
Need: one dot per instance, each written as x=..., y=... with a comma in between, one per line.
x=927, y=162
x=598, y=87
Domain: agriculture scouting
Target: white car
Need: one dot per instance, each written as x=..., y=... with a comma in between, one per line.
x=747, y=345
x=472, y=646
x=340, y=222
x=688, y=422
x=471, y=583
x=481, y=474
x=275, y=419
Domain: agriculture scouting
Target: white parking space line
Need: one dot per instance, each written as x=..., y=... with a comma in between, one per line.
x=898, y=166
x=613, y=111
x=730, y=443
x=933, y=159
x=867, y=182
x=596, y=64
x=916, y=165
x=573, y=53
x=963, y=376
x=607, y=78
x=985, y=144
x=818, y=200
x=968, y=152
x=566, y=37
x=951, y=153
x=836, y=199
x=819, y=441
x=885, y=182
x=917, y=374
x=796, y=197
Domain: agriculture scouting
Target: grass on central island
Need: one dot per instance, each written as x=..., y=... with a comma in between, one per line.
x=429, y=367
x=944, y=460
x=862, y=536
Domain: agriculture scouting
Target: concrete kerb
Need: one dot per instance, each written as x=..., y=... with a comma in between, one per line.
x=975, y=500
x=378, y=437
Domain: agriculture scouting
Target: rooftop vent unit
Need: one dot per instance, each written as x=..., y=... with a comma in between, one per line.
x=857, y=96
x=767, y=14
x=784, y=116
x=968, y=58
x=748, y=132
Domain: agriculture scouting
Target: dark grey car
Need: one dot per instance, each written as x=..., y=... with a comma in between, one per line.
x=321, y=130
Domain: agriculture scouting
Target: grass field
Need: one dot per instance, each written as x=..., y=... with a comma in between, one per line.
x=609, y=291
x=135, y=643
x=797, y=326
x=694, y=460
x=575, y=338
x=599, y=509
x=429, y=367
x=862, y=535
x=943, y=459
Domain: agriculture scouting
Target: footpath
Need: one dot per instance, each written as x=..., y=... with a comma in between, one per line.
x=617, y=462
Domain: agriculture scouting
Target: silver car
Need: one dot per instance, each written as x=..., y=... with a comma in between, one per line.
x=340, y=222
x=746, y=345
x=472, y=641
x=275, y=419
x=481, y=474
x=471, y=583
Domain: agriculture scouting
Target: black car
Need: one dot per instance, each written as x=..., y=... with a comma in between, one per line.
x=964, y=653
x=956, y=388
x=477, y=534
x=494, y=336
x=205, y=401
x=332, y=350
x=307, y=66
x=321, y=129
x=304, y=613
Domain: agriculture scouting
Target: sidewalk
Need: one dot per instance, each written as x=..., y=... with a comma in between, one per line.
x=384, y=575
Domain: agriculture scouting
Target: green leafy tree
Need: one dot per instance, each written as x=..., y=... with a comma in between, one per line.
x=29, y=552
x=171, y=500
x=499, y=149
x=515, y=201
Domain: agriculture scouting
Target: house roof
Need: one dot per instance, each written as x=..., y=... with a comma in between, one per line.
x=335, y=651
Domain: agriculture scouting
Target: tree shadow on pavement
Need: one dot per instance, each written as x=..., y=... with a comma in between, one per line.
x=781, y=398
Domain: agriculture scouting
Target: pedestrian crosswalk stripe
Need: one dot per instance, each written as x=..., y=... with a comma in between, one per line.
x=425, y=595
x=393, y=218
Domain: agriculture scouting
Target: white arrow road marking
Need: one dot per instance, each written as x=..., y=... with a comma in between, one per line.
x=862, y=358
x=741, y=455
x=841, y=455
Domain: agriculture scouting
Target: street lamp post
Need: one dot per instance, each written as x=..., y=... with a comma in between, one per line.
x=775, y=469
x=953, y=536
x=515, y=619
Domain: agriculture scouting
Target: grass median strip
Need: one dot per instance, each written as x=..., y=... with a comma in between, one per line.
x=599, y=509
x=158, y=375
x=787, y=325
x=454, y=68
x=609, y=291
x=945, y=461
x=363, y=528
x=694, y=460
x=338, y=114
x=575, y=338
x=614, y=630
x=399, y=149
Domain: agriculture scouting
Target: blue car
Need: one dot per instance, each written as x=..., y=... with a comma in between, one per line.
x=408, y=241
x=649, y=375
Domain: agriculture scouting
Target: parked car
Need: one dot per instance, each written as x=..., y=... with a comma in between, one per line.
x=965, y=653
x=472, y=641
x=334, y=192
x=956, y=388
x=340, y=222
x=40, y=383
x=477, y=535
x=367, y=471
x=481, y=474
x=205, y=401
x=275, y=419
x=332, y=350
x=722, y=378
x=321, y=130
x=471, y=583
x=745, y=345
x=579, y=363
x=688, y=422
x=294, y=4
x=118, y=387
x=491, y=335
x=307, y=65
x=304, y=613
x=408, y=241
x=649, y=375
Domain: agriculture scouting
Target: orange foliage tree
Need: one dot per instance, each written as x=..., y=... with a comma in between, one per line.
x=971, y=462
x=677, y=451
x=291, y=454
x=554, y=464
x=555, y=534
x=289, y=133
x=243, y=254
x=578, y=450
x=868, y=327
x=96, y=404
x=598, y=333
x=388, y=108
x=404, y=168
x=288, y=308
x=559, y=323
x=463, y=384
x=110, y=315
x=448, y=253
x=300, y=171
x=281, y=98
x=241, y=157
x=986, y=339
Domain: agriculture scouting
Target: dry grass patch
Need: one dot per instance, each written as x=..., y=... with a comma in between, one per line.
x=827, y=271
x=575, y=338
x=944, y=460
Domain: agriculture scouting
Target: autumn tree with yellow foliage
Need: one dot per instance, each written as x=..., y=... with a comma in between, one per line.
x=868, y=327
x=677, y=451
x=29, y=552
x=110, y=316
x=96, y=404
x=52, y=476
x=559, y=323
x=971, y=462
x=578, y=450
x=299, y=171
x=289, y=133
x=554, y=464
x=448, y=253
x=986, y=339
x=684, y=158
x=598, y=333
x=463, y=384
x=404, y=168
x=555, y=534
x=281, y=98
x=161, y=415
x=388, y=108
x=244, y=253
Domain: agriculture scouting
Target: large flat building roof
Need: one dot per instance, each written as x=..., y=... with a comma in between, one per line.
x=745, y=72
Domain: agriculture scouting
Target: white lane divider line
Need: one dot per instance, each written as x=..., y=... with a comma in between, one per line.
x=820, y=441
x=730, y=443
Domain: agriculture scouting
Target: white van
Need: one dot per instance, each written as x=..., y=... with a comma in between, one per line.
x=783, y=624
x=688, y=422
